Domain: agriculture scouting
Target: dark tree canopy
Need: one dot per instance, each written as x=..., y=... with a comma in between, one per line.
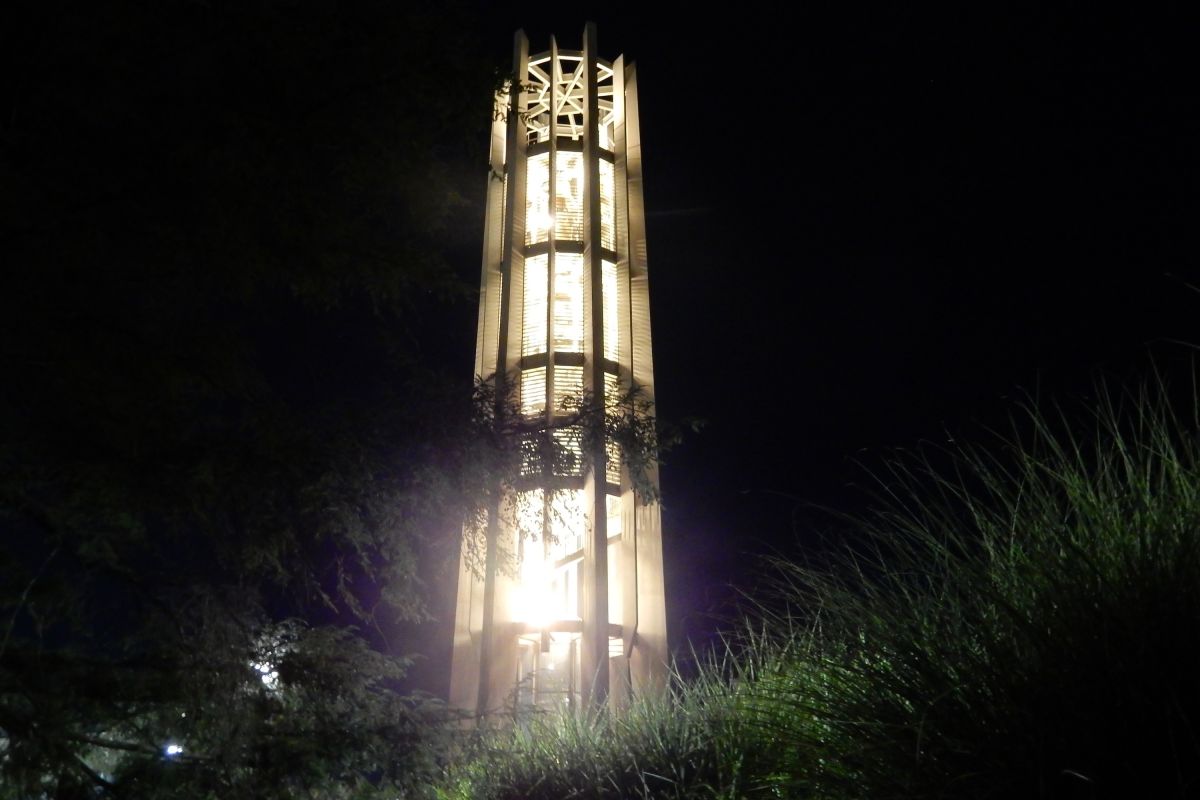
x=224, y=451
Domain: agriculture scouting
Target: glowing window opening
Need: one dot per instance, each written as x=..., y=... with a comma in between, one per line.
x=539, y=218
x=613, y=507
x=612, y=328
x=612, y=462
x=612, y=392
x=615, y=595
x=568, y=521
x=568, y=201
x=529, y=601
x=548, y=588
x=533, y=391
x=568, y=388
x=533, y=320
x=531, y=455
x=570, y=440
x=608, y=236
x=568, y=302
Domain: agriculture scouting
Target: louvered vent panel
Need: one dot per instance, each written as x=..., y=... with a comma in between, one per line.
x=612, y=327
x=608, y=236
x=500, y=220
x=531, y=454
x=533, y=391
x=612, y=393
x=569, y=455
x=538, y=216
x=568, y=388
x=568, y=302
x=533, y=319
x=612, y=464
x=568, y=203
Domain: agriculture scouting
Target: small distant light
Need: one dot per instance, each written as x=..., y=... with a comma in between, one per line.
x=173, y=750
x=183, y=713
x=268, y=675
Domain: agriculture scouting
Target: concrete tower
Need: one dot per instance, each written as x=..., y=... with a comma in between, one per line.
x=567, y=606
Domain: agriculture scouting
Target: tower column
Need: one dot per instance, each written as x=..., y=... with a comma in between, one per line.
x=595, y=553
x=568, y=568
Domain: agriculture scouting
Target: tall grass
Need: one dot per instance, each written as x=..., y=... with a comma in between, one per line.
x=1017, y=620
x=689, y=742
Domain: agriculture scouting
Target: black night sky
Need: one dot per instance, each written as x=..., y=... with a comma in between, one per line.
x=872, y=226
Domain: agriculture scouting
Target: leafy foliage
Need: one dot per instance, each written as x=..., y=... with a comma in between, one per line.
x=638, y=438
x=520, y=448
x=225, y=236
x=226, y=465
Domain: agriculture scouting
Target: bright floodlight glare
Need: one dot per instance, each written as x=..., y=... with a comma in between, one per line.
x=268, y=674
x=172, y=750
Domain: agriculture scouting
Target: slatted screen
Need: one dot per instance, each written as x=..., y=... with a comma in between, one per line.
x=538, y=216
x=568, y=302
x=570, y=441
x=568, y=202
x=533, y=391
x=612, y=328
x=533, y=318
x=612, y=462
x=568, y=388
x=608, y=236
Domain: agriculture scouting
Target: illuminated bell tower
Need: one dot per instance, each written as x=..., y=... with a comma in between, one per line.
x=567, y=607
